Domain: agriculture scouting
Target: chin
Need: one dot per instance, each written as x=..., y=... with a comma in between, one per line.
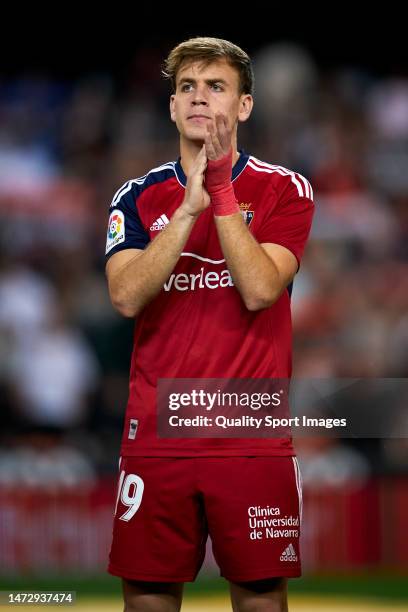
x=195, y=135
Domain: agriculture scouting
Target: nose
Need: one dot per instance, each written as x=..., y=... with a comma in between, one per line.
x=199, y=97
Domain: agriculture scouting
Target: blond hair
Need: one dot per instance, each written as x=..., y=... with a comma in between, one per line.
x=207, y=50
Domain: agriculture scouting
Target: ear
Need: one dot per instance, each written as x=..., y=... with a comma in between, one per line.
x=173, y=108
x=246, y=104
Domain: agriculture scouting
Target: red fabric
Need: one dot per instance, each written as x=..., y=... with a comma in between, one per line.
x=224, y=202
x=184, y=499
x=198, y=325
x=219, y=186
x=218, y=173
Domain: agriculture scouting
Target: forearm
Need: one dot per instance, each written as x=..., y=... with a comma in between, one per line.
x=140, y=279
x=254, y=273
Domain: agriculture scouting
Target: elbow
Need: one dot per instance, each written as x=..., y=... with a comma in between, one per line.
x=125, y=311
x=129, y=311
x=260, y=302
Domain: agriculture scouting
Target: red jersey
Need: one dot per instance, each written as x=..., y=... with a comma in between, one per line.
x=198, y=325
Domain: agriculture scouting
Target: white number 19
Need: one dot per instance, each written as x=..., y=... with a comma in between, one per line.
x=133, y=500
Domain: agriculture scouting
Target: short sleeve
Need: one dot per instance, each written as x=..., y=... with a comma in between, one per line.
x=289, y=222
x=125, y=229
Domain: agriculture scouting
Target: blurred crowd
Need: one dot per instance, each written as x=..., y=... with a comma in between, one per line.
x=66, y=146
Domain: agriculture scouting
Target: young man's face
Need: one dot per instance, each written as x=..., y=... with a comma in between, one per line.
x=201, y=91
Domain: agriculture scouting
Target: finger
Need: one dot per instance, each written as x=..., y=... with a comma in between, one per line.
x=224, y=121
x=224, y=135
x=216, y=140
x=200, y=162
x=203, y=156
x=200, y=155
x=209, y=145
x=203, y=160
x=220, y=121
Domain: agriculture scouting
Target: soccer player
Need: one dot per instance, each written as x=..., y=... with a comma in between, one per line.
x=202, y=251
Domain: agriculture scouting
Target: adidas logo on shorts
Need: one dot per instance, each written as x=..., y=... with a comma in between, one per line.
x=289, y=554
x=160, y=223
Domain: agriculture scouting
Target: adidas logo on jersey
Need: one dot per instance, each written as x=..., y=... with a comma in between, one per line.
x=289, y=554
x=160, y=223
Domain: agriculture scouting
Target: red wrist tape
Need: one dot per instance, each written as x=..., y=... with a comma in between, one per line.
x=224, y=201
x=219, y=186
x=218, y=173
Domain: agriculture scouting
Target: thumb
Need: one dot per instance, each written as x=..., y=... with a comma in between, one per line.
x=202, y=157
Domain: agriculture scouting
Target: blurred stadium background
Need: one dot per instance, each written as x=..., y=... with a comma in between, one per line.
x=82, y=111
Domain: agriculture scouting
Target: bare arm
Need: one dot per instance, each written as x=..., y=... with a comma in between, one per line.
x=136, y=276
x=260, y=271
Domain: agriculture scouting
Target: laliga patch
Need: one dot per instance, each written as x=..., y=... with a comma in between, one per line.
x=247, y=214
x=116, y=230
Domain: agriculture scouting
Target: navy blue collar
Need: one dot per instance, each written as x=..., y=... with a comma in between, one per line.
x=236, y=170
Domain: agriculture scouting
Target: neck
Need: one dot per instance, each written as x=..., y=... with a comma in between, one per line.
x=189, y=150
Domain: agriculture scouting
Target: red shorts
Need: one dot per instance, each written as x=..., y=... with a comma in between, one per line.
x=166, y=507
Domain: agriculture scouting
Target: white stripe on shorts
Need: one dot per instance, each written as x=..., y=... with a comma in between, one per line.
x=298, y=477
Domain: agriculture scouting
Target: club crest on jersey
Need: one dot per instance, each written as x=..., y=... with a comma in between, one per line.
x=247, y=214
x=116, y=230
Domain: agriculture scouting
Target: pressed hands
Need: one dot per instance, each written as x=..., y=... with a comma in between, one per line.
x=218, y=174
x=132, y=285
x=210, y=179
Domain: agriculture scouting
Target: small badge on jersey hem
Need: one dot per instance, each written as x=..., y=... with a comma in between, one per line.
x=116, y=230
x=133, y=429
x=247, y=214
